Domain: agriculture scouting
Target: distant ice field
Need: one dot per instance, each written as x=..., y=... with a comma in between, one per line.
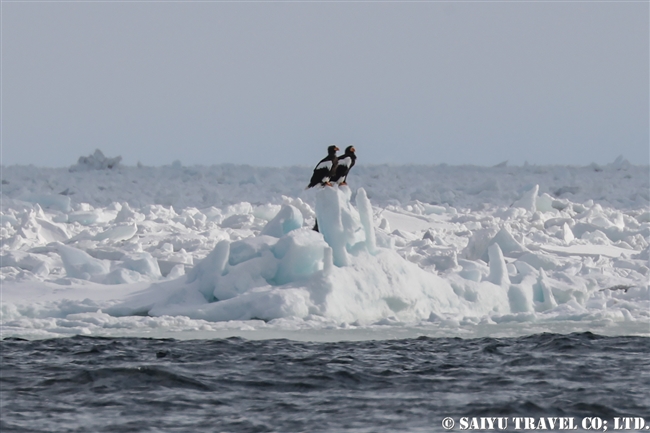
x=209, y=252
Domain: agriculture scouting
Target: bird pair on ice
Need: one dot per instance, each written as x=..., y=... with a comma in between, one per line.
x=333, y=168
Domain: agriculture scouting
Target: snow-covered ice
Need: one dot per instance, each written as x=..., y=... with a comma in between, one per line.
x=189, y=252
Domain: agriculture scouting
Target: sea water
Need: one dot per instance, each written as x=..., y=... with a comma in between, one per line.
x=95, y=384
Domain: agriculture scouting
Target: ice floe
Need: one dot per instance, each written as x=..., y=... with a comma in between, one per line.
x=192, y=250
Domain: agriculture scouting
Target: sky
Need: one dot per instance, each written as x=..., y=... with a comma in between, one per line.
x=274, y=83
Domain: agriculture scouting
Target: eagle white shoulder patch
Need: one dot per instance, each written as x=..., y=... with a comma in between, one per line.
x=345, y=161
x=324, y=164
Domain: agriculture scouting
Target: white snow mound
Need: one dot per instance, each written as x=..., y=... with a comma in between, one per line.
x=338, y=274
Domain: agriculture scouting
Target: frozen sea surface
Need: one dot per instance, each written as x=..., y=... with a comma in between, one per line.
x=212, y=252
x=83, y=384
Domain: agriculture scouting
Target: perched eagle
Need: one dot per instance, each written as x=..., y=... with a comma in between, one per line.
x=346, y=162
x=325, y=169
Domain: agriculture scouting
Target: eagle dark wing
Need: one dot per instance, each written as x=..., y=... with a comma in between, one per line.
x=324, y=171
x=342, y=169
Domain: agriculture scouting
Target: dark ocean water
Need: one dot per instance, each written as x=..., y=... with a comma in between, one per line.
x=86, y=384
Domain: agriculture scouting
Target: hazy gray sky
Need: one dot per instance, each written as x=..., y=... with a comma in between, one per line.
x=274, y=83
